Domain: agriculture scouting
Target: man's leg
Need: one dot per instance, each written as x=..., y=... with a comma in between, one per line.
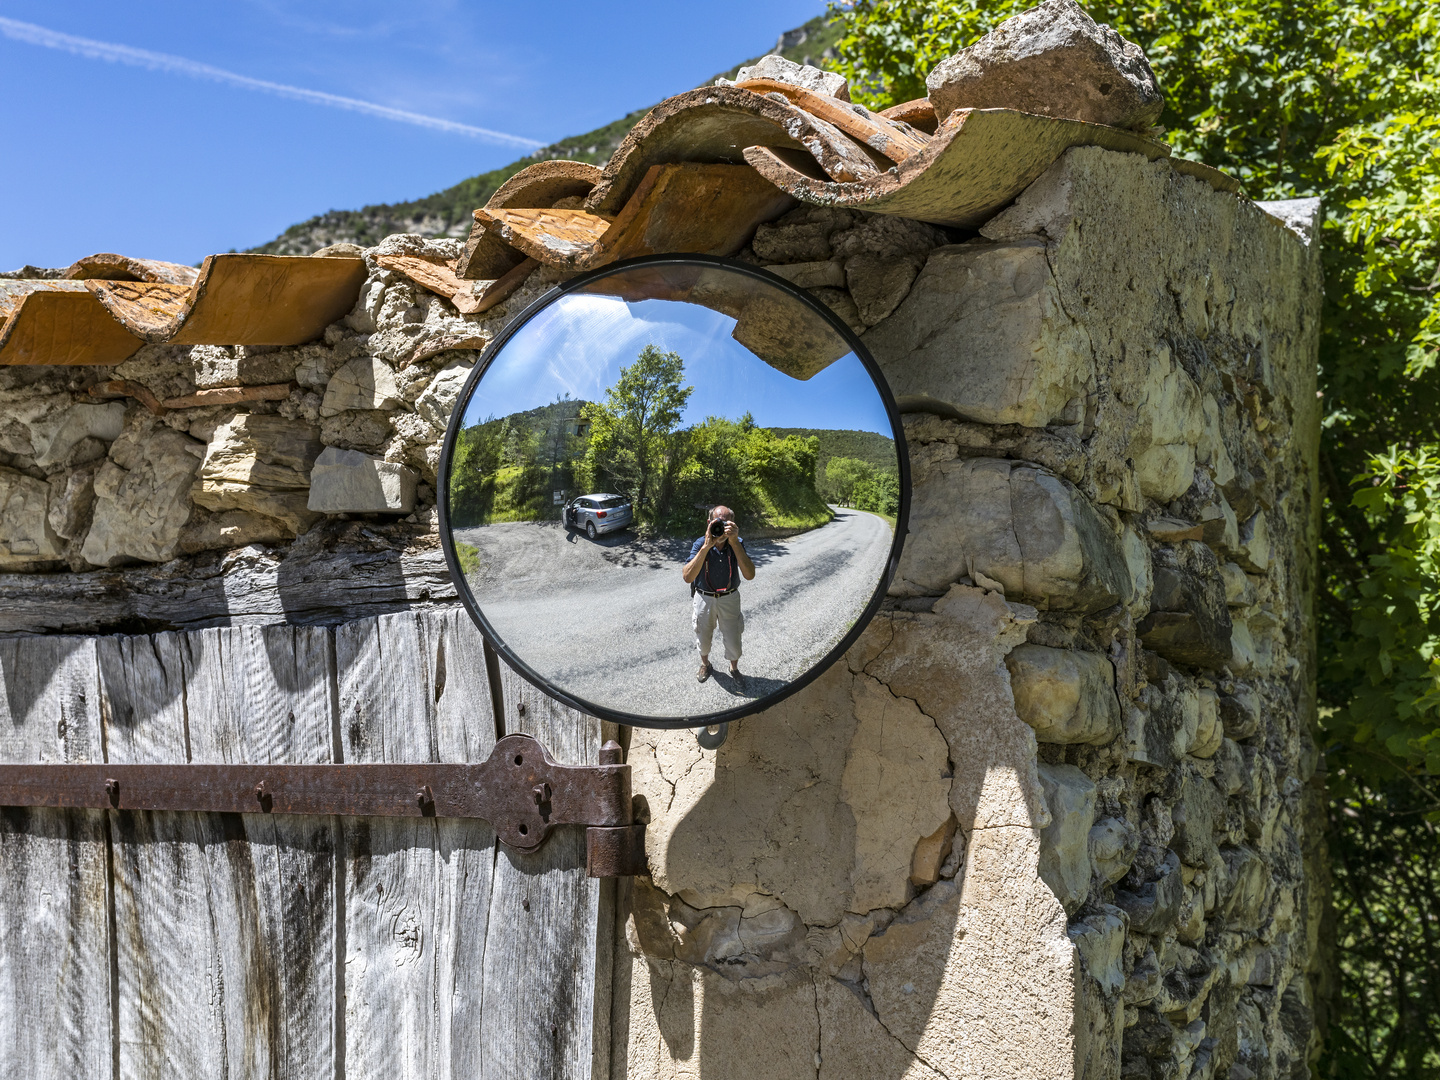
x=703, y=622
x=732, y=625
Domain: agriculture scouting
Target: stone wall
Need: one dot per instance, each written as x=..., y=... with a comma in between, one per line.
x=1055, y=816
x=1058, y=813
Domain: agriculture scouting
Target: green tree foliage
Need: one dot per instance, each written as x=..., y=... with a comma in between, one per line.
x=767, y=480
x=1341, y=99
x=631, y=429
x=861, y=484
x=842, y=476
x=877, y=449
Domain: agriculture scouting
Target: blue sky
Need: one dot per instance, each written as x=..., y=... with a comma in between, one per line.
x=168, y=161
x=577, y=346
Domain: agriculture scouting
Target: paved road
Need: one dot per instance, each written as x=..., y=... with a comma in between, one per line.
x=610, y=620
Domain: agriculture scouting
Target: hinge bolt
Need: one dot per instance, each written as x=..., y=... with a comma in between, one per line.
x=611, y=753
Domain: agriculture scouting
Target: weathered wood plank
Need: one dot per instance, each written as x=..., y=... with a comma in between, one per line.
x=246, y=587
x=55, y=991
x=224, y=922
x=260, y=696
x=546, y=1013
x=413, y=687
x=170, y=986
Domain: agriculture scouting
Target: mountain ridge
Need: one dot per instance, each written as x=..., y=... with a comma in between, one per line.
x=449, y=212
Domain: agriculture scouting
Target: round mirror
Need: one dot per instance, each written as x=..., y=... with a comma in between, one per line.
x=668, y=459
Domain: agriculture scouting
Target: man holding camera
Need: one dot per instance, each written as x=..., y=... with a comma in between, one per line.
x=718, y=560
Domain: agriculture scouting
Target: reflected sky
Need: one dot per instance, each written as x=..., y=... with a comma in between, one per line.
x=578, y=345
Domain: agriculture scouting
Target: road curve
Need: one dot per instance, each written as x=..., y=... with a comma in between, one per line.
x=609, y=620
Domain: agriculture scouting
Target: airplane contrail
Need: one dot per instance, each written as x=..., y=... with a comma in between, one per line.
x=124, y=54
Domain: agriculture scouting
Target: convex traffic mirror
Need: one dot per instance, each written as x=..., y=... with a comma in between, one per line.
x=671, y=459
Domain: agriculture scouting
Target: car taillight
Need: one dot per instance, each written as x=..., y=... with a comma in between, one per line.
x=600, y=513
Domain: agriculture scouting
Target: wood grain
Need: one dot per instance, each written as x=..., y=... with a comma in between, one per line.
x=245, y=587
x=55, y=992
x=549, y=927
x=265, y=696
x=171, y=987
x=225, y=922
x=413, y=688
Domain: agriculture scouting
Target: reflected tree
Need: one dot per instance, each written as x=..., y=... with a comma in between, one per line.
x=632, y=427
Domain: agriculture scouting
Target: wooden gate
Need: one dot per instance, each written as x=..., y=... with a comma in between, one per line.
x=139, y=944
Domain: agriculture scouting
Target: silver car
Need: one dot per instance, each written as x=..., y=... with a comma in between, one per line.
x=597, y=514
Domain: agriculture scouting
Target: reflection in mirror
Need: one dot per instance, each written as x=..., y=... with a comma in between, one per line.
x=671, y=461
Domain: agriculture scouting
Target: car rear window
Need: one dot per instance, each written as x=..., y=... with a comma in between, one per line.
x=609, y=504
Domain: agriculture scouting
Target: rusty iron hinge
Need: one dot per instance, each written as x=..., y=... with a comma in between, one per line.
x=520, y=790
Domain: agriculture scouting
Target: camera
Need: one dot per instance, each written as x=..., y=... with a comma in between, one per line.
x=717, y=527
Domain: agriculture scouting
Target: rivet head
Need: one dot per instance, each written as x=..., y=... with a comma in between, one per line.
x=520, y=707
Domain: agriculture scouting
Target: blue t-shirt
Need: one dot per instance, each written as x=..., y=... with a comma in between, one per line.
x=721, y=572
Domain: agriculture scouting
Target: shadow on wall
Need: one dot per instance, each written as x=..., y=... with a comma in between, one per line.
x=804, y=918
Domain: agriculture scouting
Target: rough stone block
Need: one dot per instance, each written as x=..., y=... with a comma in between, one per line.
x=793, y=242
x=260, y=464
x=1154, y=906
x=1254, y=551
x=438, y=400
x=1113, y=846
x=1053, y=60
x=237, y=365
x=878, y=284
x=1064, y=843
x=1195, y=815
x=825, y=273
x=349, y=482
x=1239, y=589
x=1033, y=533
x=1249, y=880
x=142, y=497
x=1209, y=731
x=1189, y=620
x=1100, y=940
x=1066, y=695
x=72, y=499
x=1163, y=729
x=55, y=436
x=358, y=430
x=26, y=536
x=366, y=382
x=981, y=336
x=1240, y=713
x=1172, y=423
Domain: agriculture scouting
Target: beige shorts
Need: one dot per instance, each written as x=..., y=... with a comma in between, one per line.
x=722, y=610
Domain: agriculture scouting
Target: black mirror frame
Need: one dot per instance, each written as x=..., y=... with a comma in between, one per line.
x=452, y=432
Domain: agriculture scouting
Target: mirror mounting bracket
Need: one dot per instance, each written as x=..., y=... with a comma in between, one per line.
x=520, y=790
x=713, y=736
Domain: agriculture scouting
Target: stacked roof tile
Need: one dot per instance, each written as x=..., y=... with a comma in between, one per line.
x=698, y=174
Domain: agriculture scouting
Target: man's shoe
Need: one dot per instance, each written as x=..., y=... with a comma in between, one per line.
x=736, y=674
x=704, y=673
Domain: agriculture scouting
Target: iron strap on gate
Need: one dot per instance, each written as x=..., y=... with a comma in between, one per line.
x=520, y=790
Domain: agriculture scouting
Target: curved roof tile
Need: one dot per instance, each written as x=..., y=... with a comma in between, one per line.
x=697, y=174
